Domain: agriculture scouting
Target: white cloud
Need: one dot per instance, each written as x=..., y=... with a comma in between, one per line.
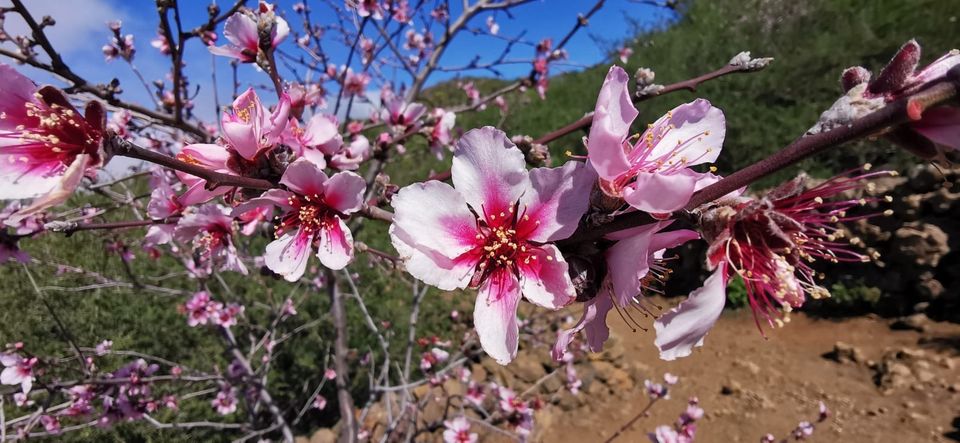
x=81, y=24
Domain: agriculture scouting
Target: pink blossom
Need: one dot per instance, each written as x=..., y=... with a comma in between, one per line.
x=492, y=26
x=430, y=359
x=200, y=309
x=210, y=230
x=458, y=431
x=666, y=434
x=120, y=45
x=22, y=400
x=289, y=308
x=510, y=403
x=50, y=424
x=652, y=175
x=314, y=209
x=491, y=231
x=656, y=390
x=770, y=243
x=352, y=155
x=225, y=403
x=633, y=263
x=316, y=141
x=17, y=371
x=440, y=137
x=329, y=374
x=241, y=30
x=104, y=347
x=474, y=95
x=46, y=146
x=670, y=379
x=226, y=317
x=401, y=11
x=355, y=84
x=250, y=129
x=304, y=96
x=402, y=114
x=161, y=43
x=475, y=393
x=367, y=8
x=824, y=413
x=319, y=402
x=624, y=54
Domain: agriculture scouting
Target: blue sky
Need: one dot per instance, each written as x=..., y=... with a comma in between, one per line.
x=81, y=31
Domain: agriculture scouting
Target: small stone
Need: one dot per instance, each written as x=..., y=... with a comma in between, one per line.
x=750, y=366
x=845, y=352
x=916, y=322
x=323, y=435
x=731, y=387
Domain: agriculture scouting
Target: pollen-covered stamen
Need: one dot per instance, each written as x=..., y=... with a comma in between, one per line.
x=772, y=242
x=309, y=213
x=669, y=159
x=48, y=135
x=501, y=242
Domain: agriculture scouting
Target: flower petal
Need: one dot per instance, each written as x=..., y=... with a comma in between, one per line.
x=684, y=327
x=241, y=30
x=628, y=260
x=269, y=199
x=594, y=321
x=489, y=171
x=436, y=217
x=288, y=255
x=544, y=279
x=661, y=193
x=941, y=125
x=495, y=316
x=335, y=245
x=612, y=117
x=557, y=200
x=59, y=193
x=695, y=136
x=344, y=192
x=304, y=178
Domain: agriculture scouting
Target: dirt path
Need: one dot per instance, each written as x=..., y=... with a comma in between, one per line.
x=749, y=385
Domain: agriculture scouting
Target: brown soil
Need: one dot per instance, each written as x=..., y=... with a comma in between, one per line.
x=771, y=384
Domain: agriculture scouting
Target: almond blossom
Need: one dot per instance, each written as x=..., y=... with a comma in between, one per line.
x=314, y=209
x=652, y=174
x=770, y=243
x=242, y=30
x=441, y=137
x=46, y=145
x=316, y=140
x=458, y=431
x=17, y=371
x=210, y=230
x=491, y=231
x=400, y=114
x=633, y=263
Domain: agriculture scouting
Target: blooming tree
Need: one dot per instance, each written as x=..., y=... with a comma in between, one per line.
x=293, y=162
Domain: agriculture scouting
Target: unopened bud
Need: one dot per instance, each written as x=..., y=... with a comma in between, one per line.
x=894, y=76
x=746, y=63
x=535, y=154
x=644, y=77
x=114, y=25
x=854, y=76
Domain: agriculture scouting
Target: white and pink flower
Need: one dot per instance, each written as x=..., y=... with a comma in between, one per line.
x=242, y=31
x=314, y=209
x=652, y=174
x=210, y=230
x=457, y=430
x=46, y=145
x=17, y=371
x=491, y=231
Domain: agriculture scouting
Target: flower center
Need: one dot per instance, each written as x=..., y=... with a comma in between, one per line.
x=310, y=214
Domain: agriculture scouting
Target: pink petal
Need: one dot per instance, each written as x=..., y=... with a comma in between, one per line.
x=495, y=316
x=628, y=260
x=229, y=51
x=941, y=125
x=672, y=239
x=288, y=255
x=594, y=321
x=274, y=127
x=684, y=327
x=661, y=193
x=316, y=157
x=335, y=245
x=15, y=91
x=344, y=192
x=269, y=199
x=544, y=279
x=321, y=133
x=197, y=193
x=304, y=178
x=16, y=184
x=62, y=191
x=432, y=228
x=280, y=32
x=611, y=124
x=556, y=201
x=699, y=127
x=241, y=30
x=489, y=170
